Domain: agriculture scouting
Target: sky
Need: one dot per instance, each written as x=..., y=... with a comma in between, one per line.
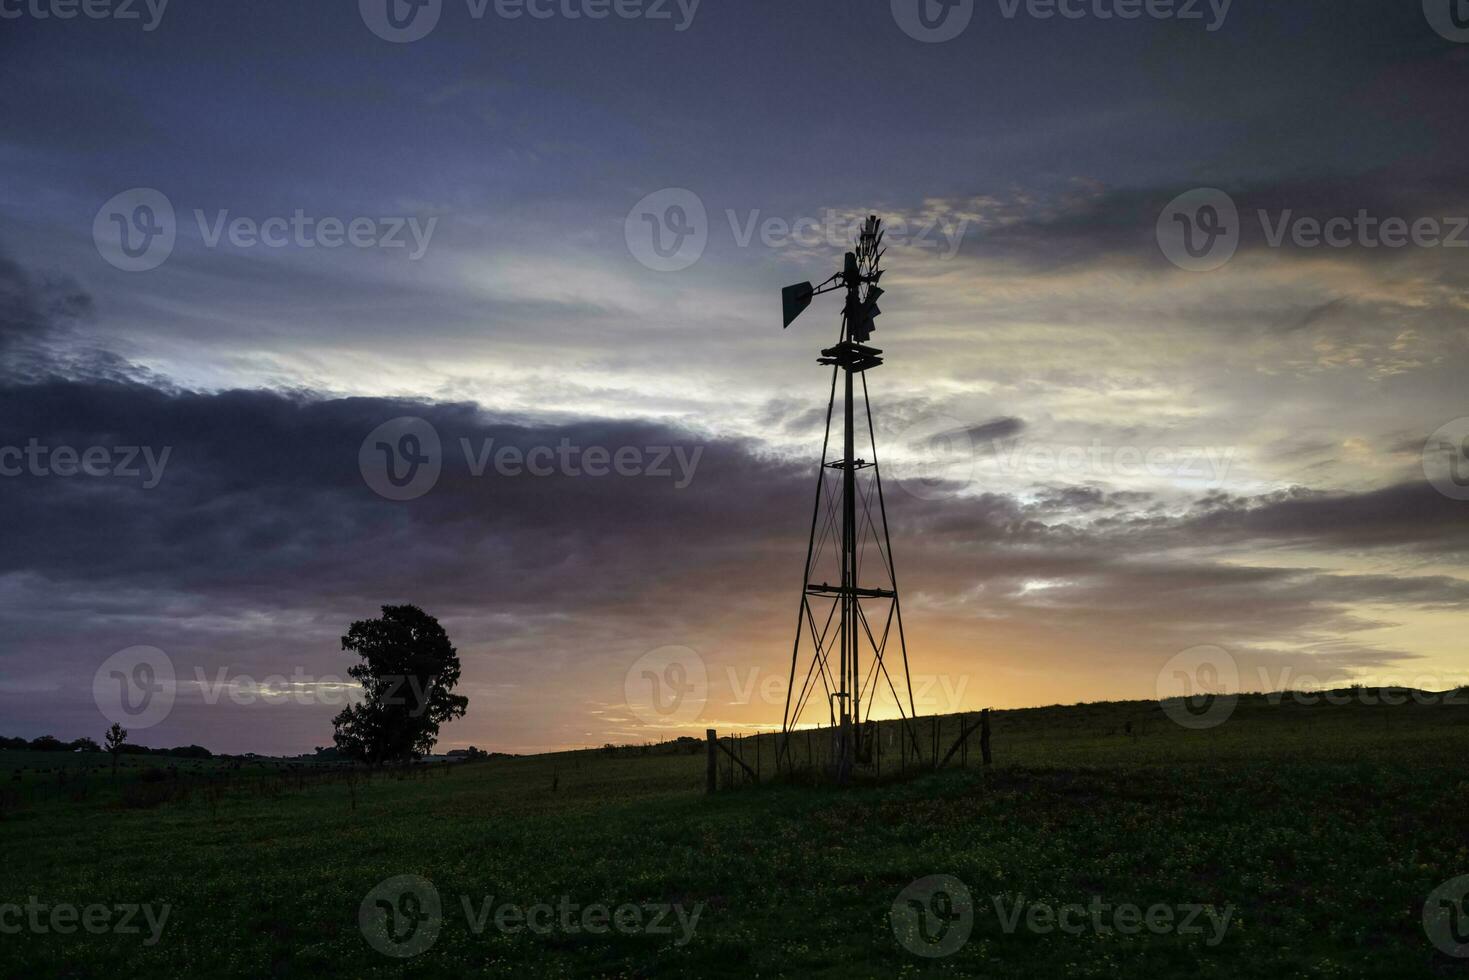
x=1175, y=335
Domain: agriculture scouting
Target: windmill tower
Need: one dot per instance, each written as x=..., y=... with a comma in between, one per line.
x=849, y=613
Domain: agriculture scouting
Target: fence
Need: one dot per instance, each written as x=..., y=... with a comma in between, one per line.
x=902, y=746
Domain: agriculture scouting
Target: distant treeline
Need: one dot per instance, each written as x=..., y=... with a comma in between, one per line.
x=50, y=743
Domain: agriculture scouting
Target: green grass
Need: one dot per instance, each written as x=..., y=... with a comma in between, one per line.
x=1323, y=829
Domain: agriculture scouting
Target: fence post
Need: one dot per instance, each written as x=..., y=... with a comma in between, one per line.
x=984, y=735
x=713, y=772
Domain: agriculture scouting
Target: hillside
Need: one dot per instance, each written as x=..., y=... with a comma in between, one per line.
x=1296, y=839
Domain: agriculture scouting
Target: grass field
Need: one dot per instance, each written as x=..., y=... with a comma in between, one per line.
x=1313, y=833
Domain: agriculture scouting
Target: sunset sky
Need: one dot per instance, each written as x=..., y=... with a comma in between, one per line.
x=1136, y=459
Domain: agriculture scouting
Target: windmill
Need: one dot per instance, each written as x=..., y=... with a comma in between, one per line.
x=845, y=626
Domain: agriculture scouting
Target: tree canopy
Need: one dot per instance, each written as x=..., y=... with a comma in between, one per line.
x=408, y=673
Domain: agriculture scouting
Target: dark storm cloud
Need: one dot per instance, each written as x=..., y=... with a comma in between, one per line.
x=1000, y=428
x=262, y=492
x=1410, y=515
x=31, y=306
x=261, y=539
x=1086, y=223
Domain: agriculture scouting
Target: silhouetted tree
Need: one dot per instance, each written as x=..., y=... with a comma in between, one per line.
x=408, y=671
x=116, y=735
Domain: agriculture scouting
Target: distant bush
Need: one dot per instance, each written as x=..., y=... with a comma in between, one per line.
x=191, y=752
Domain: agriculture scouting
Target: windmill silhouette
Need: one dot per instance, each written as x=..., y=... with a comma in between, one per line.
x=849, y=611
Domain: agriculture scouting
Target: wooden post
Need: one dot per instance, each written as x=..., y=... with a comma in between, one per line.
x=757, y=757
x=713, y=771
x=963, y=734
x=984, y=735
